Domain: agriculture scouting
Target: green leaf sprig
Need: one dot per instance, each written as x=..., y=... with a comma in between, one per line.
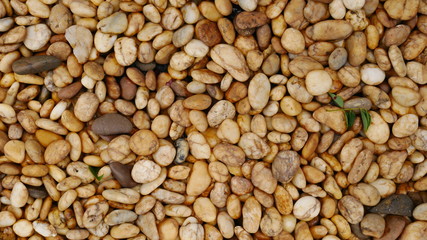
x=350, y=115
x=94, y=171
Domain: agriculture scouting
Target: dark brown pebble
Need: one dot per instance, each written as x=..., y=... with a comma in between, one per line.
x=397, y=204
x=122, y=173
x=70, y=90
x=111, y=124
x=394, y=226
x=35, y=64
x=208, y=32
x=37, y=192
x=128, y=88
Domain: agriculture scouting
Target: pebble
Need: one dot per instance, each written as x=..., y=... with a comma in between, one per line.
x=35, y=64
x=7, y=219
x=145, y=171
x=182, y=149
x=70, y=91
x=37, y=36
x=81, y=40
x=420, y=212
x=122, y=173
x=373, y=225
x=318, y=82
x=306, y=208
x=37, y=192
x=333, y=119
x=414, y=231
x=285, y=165
x=396, y=204
x=259, y=91
x=116, y=23
x=112, y=124
x=232, y=60
x=394, y=227
x=208, y=32
x=247, y=20
x=199, y=179
x=358, y=103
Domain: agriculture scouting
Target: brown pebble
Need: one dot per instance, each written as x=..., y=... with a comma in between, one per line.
x=111, y=124
x=37, y=192
x=128, y=88
x=70, y=90
x=208, y=32
x=245, y=20
x=122, y=173
x=35, y=64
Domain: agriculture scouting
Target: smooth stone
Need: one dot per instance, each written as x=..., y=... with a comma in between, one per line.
x=357, y=231
x=70, y=90
x=35, y=64
x=397, y=204
x=122, y=173
x=358, y=103
x=37, y=192
x=111, y=124
x=394, y=226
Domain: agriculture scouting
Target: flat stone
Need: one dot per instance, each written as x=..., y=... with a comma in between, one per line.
x=397, y=204
x=122, y=173
x=111, y=124
x=35, y=64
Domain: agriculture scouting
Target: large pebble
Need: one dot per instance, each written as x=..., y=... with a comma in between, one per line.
x=111, y=124
x=122, y=173
x=262, y=178
x=405, y=126
x=379, y=131
x=394, y=227
x=229, y=154
x=318, y=82
x=372, y=75
x=232, y=60
x=358, y=103
x=373, y=225
x=44, y=228
x=7, y=219
x=285, y=165
x=86, y=106
x=144, y=142
x=35, y=64
x=145, y=171
x=396, y=204
x=37, y=36
x=19, y=195
x=419, y=139
x=251, y=213
x=81, y=40
x=114, y=24
x=37, y=192
x=332, y=118
x=420, y=212
x=306, y=208
x=351, y=209
x=415, y=231
x=246, y=20
x=199, y=179
x=259, y=91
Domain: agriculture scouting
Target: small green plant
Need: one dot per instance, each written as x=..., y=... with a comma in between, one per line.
x=350, y=115
x=94, y=171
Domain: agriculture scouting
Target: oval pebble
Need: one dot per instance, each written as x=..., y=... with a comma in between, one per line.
x=35, y=64
x=111, y=124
